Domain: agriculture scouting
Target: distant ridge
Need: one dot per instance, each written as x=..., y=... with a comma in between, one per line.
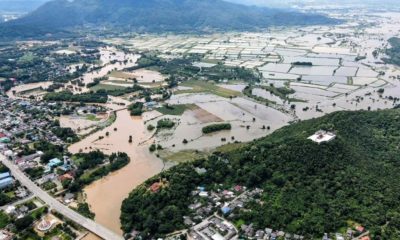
x=157, y=16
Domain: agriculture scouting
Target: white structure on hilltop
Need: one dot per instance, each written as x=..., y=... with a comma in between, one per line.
x=322, y=136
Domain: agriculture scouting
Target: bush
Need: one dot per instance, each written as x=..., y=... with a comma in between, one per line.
x=165, y=123
x=216, y=127
x=152, y=148
x=150, y=127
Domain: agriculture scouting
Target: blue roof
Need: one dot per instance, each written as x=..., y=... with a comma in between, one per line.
x=4, y=175
x=5, y=182
x=53, y=162
x=226, y=210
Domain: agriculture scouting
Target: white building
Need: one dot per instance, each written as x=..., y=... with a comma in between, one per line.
x=322, y=136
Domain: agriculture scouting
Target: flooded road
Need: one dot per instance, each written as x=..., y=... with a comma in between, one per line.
x=105, y=196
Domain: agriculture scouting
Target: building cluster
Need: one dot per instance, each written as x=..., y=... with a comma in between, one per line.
x=20, y=125
x=212, y=210
x=22, y=122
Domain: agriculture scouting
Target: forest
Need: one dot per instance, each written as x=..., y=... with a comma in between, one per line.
x=67, y=96
x=394, y=51
x=309, y=188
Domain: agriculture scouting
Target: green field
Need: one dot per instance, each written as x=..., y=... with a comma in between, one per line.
x=207, y=87
x=106, y=87
x=175, y=109
x=92, y=117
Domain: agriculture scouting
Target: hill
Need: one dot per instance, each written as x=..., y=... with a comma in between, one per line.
x=393, y=52
x=159, y=16
x=309, y=189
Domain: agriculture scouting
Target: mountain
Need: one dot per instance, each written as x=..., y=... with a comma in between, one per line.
x=160, y=16
x=309, y=188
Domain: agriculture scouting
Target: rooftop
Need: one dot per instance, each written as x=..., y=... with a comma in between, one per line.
x=322, y=136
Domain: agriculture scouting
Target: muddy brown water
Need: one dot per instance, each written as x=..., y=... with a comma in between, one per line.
x=105, y=196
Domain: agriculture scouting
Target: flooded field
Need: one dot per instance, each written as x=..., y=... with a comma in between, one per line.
x=26, y=90
x=333, y=81
x=249, y=120
x=105, y=196
x=109, y=55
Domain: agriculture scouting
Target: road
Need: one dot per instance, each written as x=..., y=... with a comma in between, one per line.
x=89, y=224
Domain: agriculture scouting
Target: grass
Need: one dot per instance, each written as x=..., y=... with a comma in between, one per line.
x=57, y=232
x=207, y=87
x=230, y=147
x=106, y=87
x=4, y=219
x=120, y=74
x=176, y=110
x=49, y=185
x=182, y=156
x=11, y=194
x=192, y=155
x=38, y=212
x=92, y=117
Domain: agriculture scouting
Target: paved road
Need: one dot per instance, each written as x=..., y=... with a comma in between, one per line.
x=89, y=224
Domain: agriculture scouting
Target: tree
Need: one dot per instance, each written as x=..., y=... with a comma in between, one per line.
x=24, y=222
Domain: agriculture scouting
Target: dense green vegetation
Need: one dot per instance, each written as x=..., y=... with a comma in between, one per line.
x=281, y=92
x=307, y=64
x=394, y=51
x=174, y=109
x=67, y=96
x=65, y=134
x=165, y=123
x=93, y=166
x=308, y=188
x=136, y=109
x=216, y=127
x=83, y=208
x=42, y=62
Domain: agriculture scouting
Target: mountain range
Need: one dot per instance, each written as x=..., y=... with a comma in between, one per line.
x=157, y=16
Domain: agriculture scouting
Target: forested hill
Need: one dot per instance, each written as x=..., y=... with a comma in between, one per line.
x=393, y=51
x=309, y=189
x=160, y=16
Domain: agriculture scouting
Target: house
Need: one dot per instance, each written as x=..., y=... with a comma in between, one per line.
x=68, y=198
x=155, y=187
x=365, y=238
x=226, y=210
x=5, y=140
x=203, y=194
x=52, y=164
x=259, y=234
x=6, y=182
x=9, y=154
x=4, y=175
x=66, y=176
x=360, y=229
x=5, y=235
x=322, y=136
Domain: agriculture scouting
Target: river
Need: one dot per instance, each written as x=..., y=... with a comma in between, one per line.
x=105, y=196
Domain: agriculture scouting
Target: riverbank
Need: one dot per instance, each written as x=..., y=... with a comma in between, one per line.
x=105, y=196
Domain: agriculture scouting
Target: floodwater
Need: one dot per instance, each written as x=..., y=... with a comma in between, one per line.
x=105, y=196
x=27, y=87
x=108, y=55
x=240, y=112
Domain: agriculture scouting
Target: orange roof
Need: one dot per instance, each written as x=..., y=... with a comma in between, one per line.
x=155, y=187
x=360, y=228
x=365, y=238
